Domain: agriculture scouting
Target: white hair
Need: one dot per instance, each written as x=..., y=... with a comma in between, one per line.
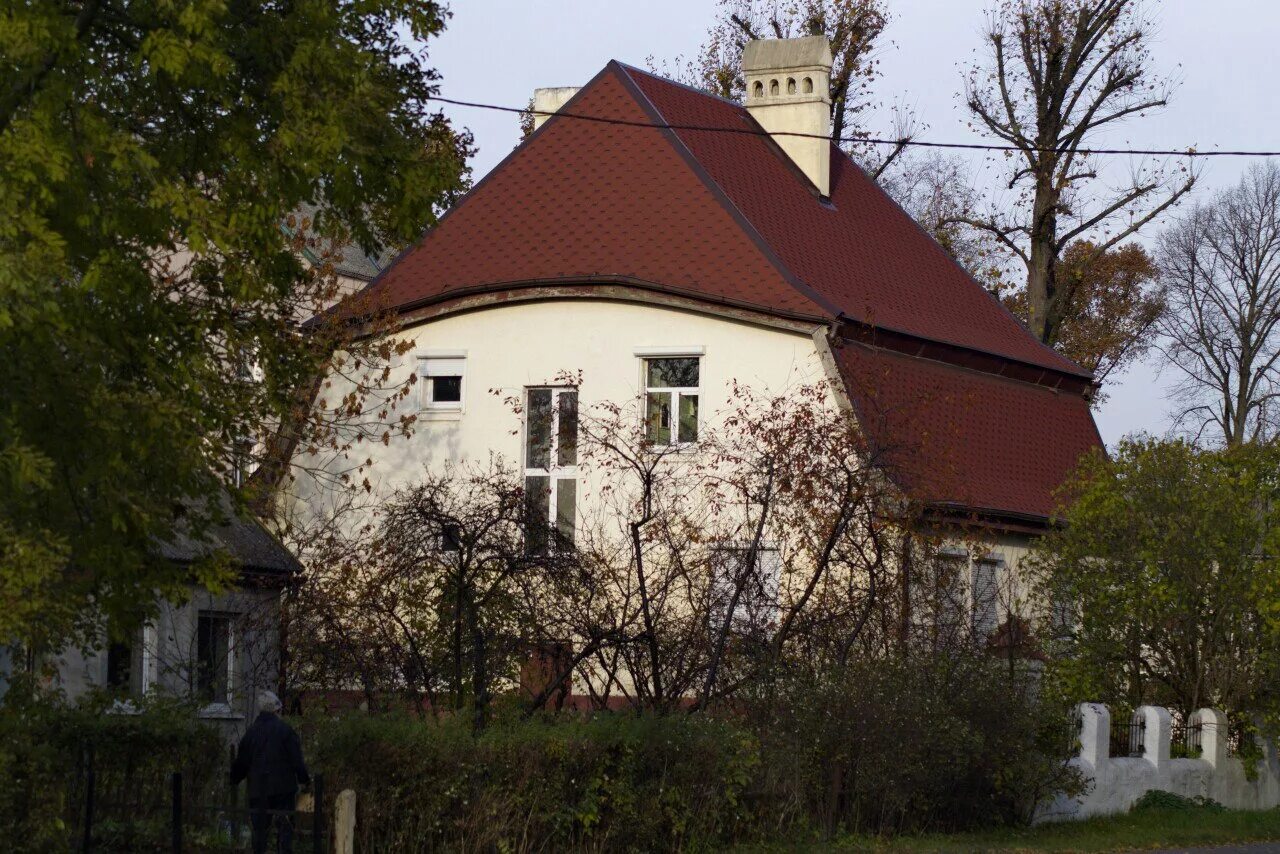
x=268, y=702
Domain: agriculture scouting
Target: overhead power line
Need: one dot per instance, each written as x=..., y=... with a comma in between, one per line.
x=870, y=140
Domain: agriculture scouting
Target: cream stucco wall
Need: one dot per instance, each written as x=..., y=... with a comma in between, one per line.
x=512, y=346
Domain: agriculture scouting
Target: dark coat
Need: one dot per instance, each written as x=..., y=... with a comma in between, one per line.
x=270, y=756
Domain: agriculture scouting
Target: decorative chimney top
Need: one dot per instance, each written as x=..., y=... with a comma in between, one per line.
x=789, y=92
x=550, y=100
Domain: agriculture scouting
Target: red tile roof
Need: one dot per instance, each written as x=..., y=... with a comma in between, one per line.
x=951, y=435
x=584, y=200
x=727, y=217
x=861, y=252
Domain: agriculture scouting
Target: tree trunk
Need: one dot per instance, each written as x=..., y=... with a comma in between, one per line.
x=479, y=673
x=1043, y=315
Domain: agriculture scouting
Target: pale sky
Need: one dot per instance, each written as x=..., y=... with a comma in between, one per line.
x=1222, y=52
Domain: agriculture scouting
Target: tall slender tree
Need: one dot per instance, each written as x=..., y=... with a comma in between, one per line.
x=1057, y=75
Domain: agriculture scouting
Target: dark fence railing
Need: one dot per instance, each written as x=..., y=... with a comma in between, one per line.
x=1184, y=740
x=193, y=814
x=1127, y=739
x=1239, y=736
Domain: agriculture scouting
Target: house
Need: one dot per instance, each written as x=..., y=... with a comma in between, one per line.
x=218, y=648
x=664, y=243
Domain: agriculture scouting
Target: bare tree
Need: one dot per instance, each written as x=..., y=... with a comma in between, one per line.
x=1058, y=74
x=1220, y=266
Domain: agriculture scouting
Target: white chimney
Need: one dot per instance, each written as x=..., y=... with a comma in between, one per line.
x=789, y=91
x=550, y=100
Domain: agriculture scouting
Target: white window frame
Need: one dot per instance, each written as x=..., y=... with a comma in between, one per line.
x=645, y=354
x=555, y=472
x=147, y=658
x=445, y=363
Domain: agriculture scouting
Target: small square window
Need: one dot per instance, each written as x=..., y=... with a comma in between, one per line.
x=671, y=400
x=442, y=383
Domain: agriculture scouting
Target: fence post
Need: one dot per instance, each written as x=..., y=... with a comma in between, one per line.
x=1095, y=734
x=87, y=845
x=1213, y=735
x=1157, y=733
x=344, y=822
x=176, y=787
x=318, y=834
x=235, y=805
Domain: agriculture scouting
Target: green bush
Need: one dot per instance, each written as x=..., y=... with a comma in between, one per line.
x=909, y=745
x=886, y=747
x=47, y=746
x=1158, y=800
x=616, y=781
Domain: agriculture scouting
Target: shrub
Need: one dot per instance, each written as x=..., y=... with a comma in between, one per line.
x=1158, y=800
x=910, y=744
x=46, y=747
x=616, y=781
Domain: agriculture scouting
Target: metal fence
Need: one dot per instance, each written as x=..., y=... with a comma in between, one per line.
x=1128, y=739
x=1184, y=740
x=189, y=815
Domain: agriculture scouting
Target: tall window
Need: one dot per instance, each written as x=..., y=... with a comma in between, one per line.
x=757, y=604
x=441, y=378
x=551, y=467
x=671, y=400
x=214, y=657
x=120, y=666
x=939, y=599
x=129, y=662
x=986, y=579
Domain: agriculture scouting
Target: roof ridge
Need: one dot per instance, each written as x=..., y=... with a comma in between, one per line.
x=1050, y=355
x=718, y=192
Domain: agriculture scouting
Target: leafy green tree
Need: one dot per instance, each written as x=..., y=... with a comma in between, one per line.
x=152, y=282
x=1164, y=581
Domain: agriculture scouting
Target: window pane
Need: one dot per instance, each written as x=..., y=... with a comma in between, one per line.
x=688, y=418
x=537, y=508
x=567, y=438
x=446, y=389
x=657, y=417
x=213, y=641
x=672, y=373
x=566, y=504
x=538, y=427
x=119, y=665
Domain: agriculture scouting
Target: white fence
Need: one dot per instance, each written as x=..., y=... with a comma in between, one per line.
x=1117, y=782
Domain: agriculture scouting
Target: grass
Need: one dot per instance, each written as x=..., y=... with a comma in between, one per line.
x=1141, y=829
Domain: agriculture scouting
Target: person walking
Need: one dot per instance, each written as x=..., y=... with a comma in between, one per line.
x=270, y=757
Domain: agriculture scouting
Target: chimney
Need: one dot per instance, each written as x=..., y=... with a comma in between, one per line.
x=789, y=91
x=550, y=100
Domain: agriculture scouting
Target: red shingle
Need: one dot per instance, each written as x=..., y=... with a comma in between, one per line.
x=957, y=436
x=861, y=252
x=590, y=200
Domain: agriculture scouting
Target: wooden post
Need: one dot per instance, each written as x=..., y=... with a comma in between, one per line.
x=344, y=823
x=87, y=845
x=318, y=828
x=176, y=787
